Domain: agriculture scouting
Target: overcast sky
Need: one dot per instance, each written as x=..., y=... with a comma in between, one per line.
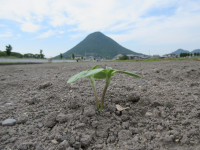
x=55, y=26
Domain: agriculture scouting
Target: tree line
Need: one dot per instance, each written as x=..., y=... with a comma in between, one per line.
x=189, y=54
x=8, y=52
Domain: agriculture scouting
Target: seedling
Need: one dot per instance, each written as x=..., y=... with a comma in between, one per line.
x=99, y=73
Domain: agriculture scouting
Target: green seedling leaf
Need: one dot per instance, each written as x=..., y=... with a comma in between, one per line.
x=95, y=67
x=108, y=68
x=84, y=74
x=126, y=72
x=100, y=73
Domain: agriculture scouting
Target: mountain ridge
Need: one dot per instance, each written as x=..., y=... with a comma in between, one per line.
x=98, y=45
x=179, y=51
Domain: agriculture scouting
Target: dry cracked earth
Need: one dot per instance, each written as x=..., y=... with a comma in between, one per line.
x=39, y=111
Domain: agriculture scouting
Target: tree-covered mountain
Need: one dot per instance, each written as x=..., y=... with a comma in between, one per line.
x=98, y=45
x=196, y=51
x=178, y=51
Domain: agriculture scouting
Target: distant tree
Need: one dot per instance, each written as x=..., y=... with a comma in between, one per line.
x=73, y=56
x=81, y=57
x=185, y=54
x=61, y=56
x=15, y=54
x=124, y=57
x=2, y=53
x=30, y=55
x=41, y=55
x=8, y=49
x=37, y=56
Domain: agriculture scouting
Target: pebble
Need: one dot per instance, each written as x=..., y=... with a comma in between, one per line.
x=9, y=122
x=45, y=85
x=64, y=138
x=133, y=98
x=63, y=145
x=80, y=125
x=148, y=114
x=54, y=141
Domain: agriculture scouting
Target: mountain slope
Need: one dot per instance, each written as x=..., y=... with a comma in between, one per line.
x=178, y=51
x=98, y=45
x=196, y=51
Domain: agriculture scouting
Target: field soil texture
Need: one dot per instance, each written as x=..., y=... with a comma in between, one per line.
x=40, y=111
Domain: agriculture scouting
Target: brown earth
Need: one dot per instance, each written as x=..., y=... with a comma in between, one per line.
x=51, y=115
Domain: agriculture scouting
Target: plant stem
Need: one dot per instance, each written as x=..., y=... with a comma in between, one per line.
x=95, y=92
x=104, y=91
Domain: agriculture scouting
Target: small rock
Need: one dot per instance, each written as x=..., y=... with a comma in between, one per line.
x=64, y=138
x=89, y=112
x=177, y=140
x=134, y=97
x=54, y=141
x=45, y=85
x=9, y=122
x=73, y=105
x=156, y=104
x=32, y=101
x=40, y=125
x=7, y=104
x=50, y=120
x=63, y=145
x=118, y=113
x=80, y=125
x=148, y=114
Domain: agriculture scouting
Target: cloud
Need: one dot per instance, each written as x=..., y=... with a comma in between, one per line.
x=144, y=21
x=29, y=27
x=47, y=34
x=6, y=35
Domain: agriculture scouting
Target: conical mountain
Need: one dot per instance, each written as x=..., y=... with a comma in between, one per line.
x=98, y=45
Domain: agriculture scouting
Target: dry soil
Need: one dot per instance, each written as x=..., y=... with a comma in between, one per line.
x=52, y=115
